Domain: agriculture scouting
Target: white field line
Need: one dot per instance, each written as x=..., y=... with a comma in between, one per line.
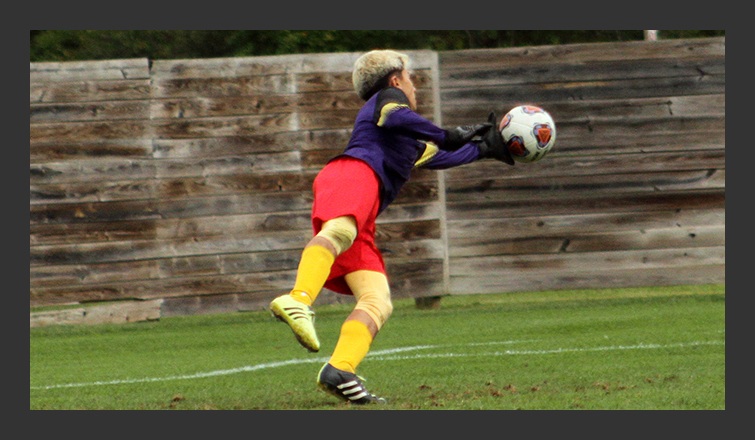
x=187, y=376
x=381, y=355
x=553, y=351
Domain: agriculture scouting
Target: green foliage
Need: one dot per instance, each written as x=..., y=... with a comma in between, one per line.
x=77, y=45
x=654, y=348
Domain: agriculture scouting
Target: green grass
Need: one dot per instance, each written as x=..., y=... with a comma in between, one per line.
x=659, y=348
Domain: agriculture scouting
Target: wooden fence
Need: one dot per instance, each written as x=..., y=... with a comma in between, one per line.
x=632, y=195
x=161, y=188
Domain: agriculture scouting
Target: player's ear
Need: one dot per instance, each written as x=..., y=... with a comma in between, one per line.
x=394, y=81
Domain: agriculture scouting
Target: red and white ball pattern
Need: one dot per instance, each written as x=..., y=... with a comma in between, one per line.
x=529, y=133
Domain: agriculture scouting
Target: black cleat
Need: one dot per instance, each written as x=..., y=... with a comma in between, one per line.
x=346, y=386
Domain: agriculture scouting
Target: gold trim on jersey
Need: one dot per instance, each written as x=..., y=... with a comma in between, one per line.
x=430, y=151
x=387, y=110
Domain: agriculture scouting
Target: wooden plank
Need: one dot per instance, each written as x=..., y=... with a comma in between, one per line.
x=608, y=204
x=571, y=111
x=312, y=102
x=241, y=86
x=98, y=111
x=513, y=266
x=322, y=81
x=606, y=164
x=399, y=212
x=90, y=91
x=506, y=97
x=225, y=126
x=707, y=137
x=165, y=288
x=274, y=64
x=221, y=87
x=495, y=74
x=224, y=303
x=413, y=279
x=188, y=244
x=214, y=185
x=422, y=249
x=170, y=208
x=303, y=140
x=184, y=202
x=95, y=253
x=204, y=227
x=591, y=270
x=575, y=187
x=88, y=131
x=162, y=268
x=239, y=145
x=60, y=275
x=225, y=67
x=155, y=229
x=576, y=53
x=241, y=126
x=166, y=229
x=474, y=230
x=589, y=241
x=102, y=149
x=418, y=191
x=401, y=232
x=101, y=70
x=108, y=313
x=250, y=125
x=586, y=129
x=603, y=279
x=406, y=278
x=203, y=106
x=477, y=237
x=138, y=169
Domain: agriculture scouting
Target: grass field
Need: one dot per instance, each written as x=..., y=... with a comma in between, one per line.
x=641, y=348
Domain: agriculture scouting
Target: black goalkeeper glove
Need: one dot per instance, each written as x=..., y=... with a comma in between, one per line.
x=460, y=136
x=492, y=146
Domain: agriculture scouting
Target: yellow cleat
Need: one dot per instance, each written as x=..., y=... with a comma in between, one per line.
x=300, y=317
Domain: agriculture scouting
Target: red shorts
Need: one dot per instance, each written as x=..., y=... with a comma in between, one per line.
x=348, y=186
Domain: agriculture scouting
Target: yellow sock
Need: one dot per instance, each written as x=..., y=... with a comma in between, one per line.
x=314, y=269
x=353, y=345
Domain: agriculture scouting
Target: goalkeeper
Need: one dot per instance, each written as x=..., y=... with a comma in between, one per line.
x=389, y=140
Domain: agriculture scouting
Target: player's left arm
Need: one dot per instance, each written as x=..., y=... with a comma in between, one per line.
x=489, y=146
x=436, y=159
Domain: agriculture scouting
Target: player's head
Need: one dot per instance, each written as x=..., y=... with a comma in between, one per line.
x=378, y=69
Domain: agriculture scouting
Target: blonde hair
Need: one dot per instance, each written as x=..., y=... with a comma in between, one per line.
x=372, y=67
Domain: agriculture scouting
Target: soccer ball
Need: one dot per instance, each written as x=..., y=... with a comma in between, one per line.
x=528, y=132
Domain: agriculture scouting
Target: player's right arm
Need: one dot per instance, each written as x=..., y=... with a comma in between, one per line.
x=392, y=112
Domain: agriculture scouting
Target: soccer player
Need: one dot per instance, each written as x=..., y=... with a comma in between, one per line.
x=389, y=140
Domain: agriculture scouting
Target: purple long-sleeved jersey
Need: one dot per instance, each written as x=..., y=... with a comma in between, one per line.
x=392, y=139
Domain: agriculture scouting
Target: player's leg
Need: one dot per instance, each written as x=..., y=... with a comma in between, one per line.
x=373, y=308
x=318, y=256
x=336, y=236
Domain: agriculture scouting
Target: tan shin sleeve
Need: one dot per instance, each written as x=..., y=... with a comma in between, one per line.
x=340, y=232
x=372, y=293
